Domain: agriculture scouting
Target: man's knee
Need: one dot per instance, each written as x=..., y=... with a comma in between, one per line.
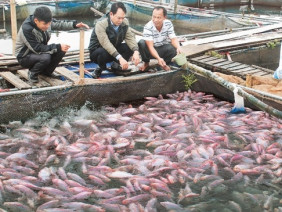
x=92, y=56
x=142, y=44
x=45, y=59
x=98, y=54
x=60, y=55
x=171, y=49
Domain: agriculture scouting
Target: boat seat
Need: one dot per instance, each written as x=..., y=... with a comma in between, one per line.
x=44, y=80
x=14, y=80
x=67, y=74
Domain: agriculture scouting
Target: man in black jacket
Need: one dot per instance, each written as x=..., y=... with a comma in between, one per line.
x=107, y=37
x=32, y=48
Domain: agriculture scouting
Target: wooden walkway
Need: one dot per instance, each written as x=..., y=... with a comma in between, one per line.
x=229, y=67
x=19, y=79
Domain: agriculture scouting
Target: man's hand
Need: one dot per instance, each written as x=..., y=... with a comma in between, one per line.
x=178, y=51
x=136, y=58
x=123, y=63
x=65, y=47
x=163, y=64
x=79, y=25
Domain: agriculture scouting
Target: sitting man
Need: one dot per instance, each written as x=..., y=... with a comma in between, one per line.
x=246, y=6
x=159, y=40
x=32, y=48
x=106, y=42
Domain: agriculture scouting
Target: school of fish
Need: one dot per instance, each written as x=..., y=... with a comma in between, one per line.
x=181, y=152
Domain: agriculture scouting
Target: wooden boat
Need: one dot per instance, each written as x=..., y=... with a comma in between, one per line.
x=226, y=3
x=59, y=8
x=268, y=3
x=195, y=19
x=20, y=100
x=205, y=3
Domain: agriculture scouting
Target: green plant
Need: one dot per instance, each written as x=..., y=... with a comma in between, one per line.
x=214, y=54
x=189, y=79
x=272, y=44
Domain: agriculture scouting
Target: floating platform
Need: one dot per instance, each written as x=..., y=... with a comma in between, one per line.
x=230, y=67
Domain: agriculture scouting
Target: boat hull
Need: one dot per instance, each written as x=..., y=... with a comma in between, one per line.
x=226, y=3
x=195, y=21
x=268, y=3
x=24, y=105
x=59, y=9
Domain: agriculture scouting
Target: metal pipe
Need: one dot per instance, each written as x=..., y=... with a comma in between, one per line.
x=29, y=91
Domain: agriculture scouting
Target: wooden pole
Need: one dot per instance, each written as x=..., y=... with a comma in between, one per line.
x=4, y=17
x=175, y=6
x=13, y=23
x=81, y=57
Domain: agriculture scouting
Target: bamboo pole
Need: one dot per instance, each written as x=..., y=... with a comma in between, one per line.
x=231, y=86
x=4, y=17
x=81, y=58
x=13, y=23
x=175, y=6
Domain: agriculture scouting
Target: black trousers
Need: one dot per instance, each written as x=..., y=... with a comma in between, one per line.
x=167, y=52
x=102, y=57
x=41, y=63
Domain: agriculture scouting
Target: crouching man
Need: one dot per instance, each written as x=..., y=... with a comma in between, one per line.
x=159, y=40
x=106, y=42
x=32, y=48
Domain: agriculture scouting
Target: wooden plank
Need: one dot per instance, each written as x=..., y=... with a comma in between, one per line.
x=51, y=81
x=231, y=65
x=24, y=74
x=13, y=79
x=218, y=65
x=259, y=73
x=190, y=50
x=249, y=68
x=248, y=40
x=207, y=59
x=267, y=74
x=216, y=61
x=200, y=57
x=264, y=69
x=253, y=71
x=233, y=35
x=67, y=73
x=193, y=49
x=237, y=67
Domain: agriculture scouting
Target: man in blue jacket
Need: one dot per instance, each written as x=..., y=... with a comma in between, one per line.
x=32, y=48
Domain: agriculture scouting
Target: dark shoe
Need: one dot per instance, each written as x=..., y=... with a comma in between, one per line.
x=115, y=67
x=97, y=73
x=32, y=77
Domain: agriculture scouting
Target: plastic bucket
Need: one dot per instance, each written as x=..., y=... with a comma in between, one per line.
x=180, y=59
